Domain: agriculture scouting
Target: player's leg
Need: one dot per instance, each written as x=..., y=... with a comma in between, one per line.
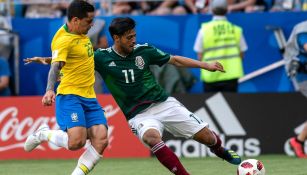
x=210, y=139
x=98, y=135
x=73, y=139
x=303, y=135
x=70, y=118
x=93, y=152
x=150, y=132
x=181, y=122
x=297, y=143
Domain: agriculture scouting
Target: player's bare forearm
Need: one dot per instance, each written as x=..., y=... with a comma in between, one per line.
x=48, y=60
x=181, y=61
x=53, y=75
x=41, y=60
x=200, y=56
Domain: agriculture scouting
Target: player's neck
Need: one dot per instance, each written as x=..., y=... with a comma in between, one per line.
x=118, y=51
x=71, y=28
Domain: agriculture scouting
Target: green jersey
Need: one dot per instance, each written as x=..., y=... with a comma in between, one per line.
x=129, y=78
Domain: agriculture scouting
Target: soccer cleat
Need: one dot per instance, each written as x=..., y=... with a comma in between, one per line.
x=297, y=148
x=228, y=155
x=33, y=140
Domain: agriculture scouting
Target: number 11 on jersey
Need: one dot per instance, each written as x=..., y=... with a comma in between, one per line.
x=126, y=72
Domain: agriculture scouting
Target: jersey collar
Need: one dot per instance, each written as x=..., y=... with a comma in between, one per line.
x=118, y=53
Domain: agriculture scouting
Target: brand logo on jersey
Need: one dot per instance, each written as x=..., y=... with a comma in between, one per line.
x=74, y=117
x=139, y=62
x=112, y=64
x=55, y=54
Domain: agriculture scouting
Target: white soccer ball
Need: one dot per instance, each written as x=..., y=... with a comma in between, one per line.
x=251, y=167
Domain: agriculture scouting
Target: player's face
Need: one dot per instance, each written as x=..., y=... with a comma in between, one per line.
x=85, y=24
x=127, y=41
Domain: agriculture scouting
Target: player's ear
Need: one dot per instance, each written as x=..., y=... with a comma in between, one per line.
x=116, y=37
x=75, y=20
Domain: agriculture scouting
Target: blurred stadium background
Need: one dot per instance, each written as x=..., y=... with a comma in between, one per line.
x=266, y=111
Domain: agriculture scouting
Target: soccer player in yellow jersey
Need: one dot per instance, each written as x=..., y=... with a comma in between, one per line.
x=78, y=113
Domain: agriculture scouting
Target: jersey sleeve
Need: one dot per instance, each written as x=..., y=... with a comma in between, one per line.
x=60, y=49
x=98, y=60
x=157, y=56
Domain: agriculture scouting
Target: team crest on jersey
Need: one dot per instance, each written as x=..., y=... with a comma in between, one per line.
x=139, y=62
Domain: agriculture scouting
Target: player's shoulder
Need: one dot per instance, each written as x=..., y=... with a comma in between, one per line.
x=103, y=50
x=103, y=55
x=62, y=37
x=141, y=45
x=144, y=46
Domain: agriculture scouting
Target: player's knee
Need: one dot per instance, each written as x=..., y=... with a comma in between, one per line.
x=217, y=141
x=100, y=144
x=213, y=139
x=206, y=136
x=151, y=138
x=76, y=144
x=104, y=143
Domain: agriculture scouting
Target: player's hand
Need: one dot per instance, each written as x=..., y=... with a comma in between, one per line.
x=48, y=98
x=215, y=66
x=39, y=60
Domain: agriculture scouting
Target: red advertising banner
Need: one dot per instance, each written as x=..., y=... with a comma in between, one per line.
x=21, y=116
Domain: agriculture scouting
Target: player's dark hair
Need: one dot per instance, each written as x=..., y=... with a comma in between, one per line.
x=79, y=9
x=120, y=25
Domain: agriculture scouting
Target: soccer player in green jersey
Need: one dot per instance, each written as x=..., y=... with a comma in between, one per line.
x=147, y=107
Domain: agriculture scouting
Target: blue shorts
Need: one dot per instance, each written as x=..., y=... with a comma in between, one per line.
x=73, y=110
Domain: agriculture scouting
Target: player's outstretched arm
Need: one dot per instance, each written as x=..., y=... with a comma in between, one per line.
x=40, y=60
x=181, y=61
x=54, y=71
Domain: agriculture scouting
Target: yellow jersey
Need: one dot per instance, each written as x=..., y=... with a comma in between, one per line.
x=77, y=75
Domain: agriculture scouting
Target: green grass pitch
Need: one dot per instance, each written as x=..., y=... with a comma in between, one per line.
x=274, y=165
